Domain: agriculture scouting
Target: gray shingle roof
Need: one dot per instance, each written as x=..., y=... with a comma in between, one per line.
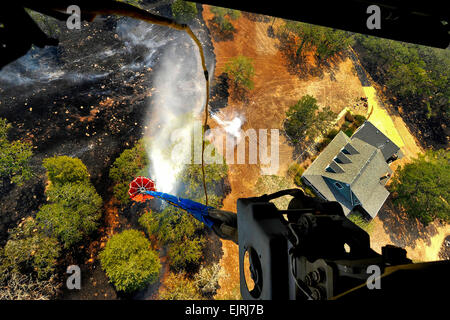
x=369, y=133
x=357, y=165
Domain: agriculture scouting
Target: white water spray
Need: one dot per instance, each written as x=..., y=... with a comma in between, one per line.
x=231, y=127
x=179, y=98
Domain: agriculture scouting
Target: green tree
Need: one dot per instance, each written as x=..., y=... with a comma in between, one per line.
x=301, y=38
x=416, y=78
x=186, y=253
x=421, y=187
x=65, y=169
x=184, y=11
x=241, y=72
x=73, y=213
x=180, y=231
x=177, y=229
x=131, y=163
x=129, y=262
x=68, y=223
x=222, y=17
x=150, y=222
x=178, y=287
x=14, y=158
x=304, y=120
x=29, y=250
x=331, y=42
x=359, y=120
x=74, y=207
x=175, y=225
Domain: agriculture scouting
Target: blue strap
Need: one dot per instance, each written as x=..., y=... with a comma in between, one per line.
x=197, y=210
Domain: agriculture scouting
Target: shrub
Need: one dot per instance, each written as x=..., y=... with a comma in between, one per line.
x=14, y=158
x=185, y=253
x=131, y=163
x=82, y=198
x=240, y=70
x=129, y=262
x=304, y=121
x=73, y=214
x=178, y=287
x=349, y=131
x=332, y=133
x=17, y=286
x=207, y=278
x=421, y=187
x=184, y=11
x=28, y=250
x=361, y=222
x=322, y=144
x=65, y=169
x=175, y=225
x=359, y=120
x=349, y=117
x=222, y=18
x=180, y=231
x=150, y=222
x=295, y=171
x=192, y=179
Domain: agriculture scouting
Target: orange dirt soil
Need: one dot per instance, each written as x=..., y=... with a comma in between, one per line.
x=275, y=90
x=111, y=223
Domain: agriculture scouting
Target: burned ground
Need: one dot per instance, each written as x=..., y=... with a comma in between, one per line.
x=86, y=98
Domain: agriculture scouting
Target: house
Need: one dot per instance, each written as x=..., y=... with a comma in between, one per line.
x=354, y=171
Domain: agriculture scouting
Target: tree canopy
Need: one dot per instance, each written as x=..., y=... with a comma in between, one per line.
x=241, y=72
x=28, y=250
x=129, y=262
x=185, y=253
x=178, y=287
x=14, y=157
x=421, y=187
x=301, y=38
x=180, y=232
x=65, y=169
x=72, y=214
x=74, y=204
x=303, y=120
x=184, y=11
x=131, y=163
x=177, y=229
x=222, y=18
x=416, y=78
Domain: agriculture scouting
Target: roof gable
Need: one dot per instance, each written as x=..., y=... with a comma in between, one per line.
x=350, y=170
